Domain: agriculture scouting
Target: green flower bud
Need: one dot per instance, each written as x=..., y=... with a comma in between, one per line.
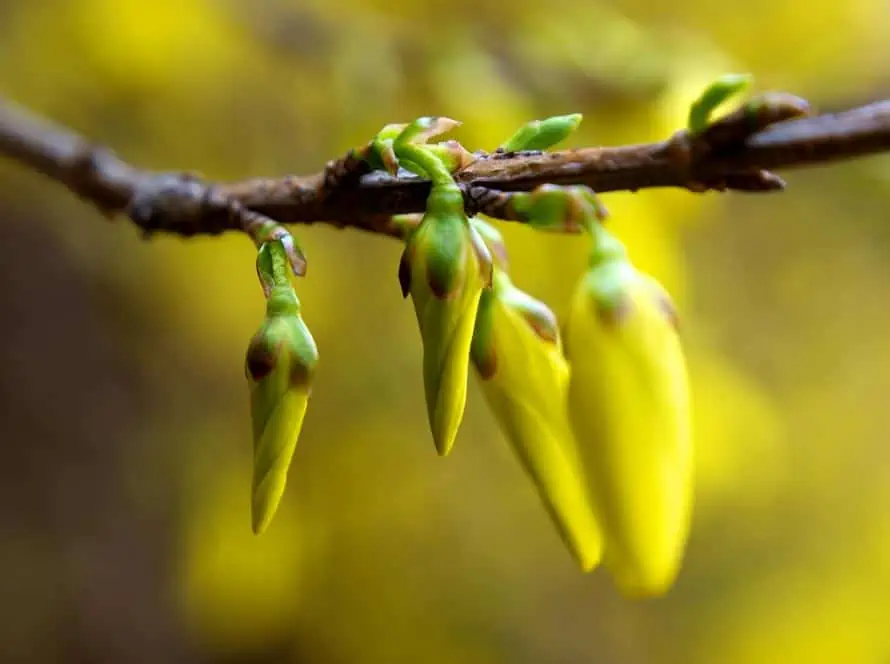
x=542, y=134
x=719, y=91
x=630, y=412
x=518, y=357
x=445, y=267
x=552, y=207
x=444, y=275
x=280, y=362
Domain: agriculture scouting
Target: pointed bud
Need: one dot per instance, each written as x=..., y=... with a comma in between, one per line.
x=445, y=267
x=542, y=134
x=517, y=354
x=444, y=274
x=630, y=412
x=280, y=362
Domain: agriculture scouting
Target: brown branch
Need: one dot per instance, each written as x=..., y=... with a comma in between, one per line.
x=730, y=157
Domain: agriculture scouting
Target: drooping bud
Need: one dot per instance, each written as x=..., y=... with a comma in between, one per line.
x=518, y=357
x=630, y=411
x=280, y=362
x=444, y=268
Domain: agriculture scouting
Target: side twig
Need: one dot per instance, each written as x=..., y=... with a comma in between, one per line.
x=346, y=195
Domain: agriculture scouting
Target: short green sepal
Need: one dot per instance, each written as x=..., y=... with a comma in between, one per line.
x=719, y=91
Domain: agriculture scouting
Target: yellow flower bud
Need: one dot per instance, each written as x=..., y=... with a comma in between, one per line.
x=629, y=408
x=518, y=357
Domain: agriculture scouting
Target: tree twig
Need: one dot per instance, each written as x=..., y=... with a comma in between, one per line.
x=346, y=195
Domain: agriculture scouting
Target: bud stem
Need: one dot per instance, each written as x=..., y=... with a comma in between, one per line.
x=605, y=247
x=273, y=268
x=429, y=162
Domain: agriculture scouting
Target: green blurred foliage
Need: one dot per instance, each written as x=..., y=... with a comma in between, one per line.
x=125, y=411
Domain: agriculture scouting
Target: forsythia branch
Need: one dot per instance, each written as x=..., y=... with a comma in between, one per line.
x=346, y=195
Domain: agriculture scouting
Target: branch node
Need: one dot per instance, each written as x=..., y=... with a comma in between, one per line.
x=343, y=173
x=479, y=199
x=729, y=133
x=174, y=202
x=692, y=154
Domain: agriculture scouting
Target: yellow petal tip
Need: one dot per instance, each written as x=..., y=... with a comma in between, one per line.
x=587, y=565
x=644, y=585
x=259, y=524
x=261, y=515
x=443, y=447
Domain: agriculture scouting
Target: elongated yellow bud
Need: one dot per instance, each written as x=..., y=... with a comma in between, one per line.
x=441, y=272
x=629, y=408
x=518, y=357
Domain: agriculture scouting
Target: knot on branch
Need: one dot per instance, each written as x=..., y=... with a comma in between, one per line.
x=182, y=203
x=694, y=154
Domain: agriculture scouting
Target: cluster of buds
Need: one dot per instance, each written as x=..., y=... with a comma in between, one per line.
x=600, y=427
x=600, y=422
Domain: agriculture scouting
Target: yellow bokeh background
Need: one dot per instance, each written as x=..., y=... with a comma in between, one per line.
x=125, y=456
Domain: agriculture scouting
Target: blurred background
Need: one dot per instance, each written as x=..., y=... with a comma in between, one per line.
x=125, y=456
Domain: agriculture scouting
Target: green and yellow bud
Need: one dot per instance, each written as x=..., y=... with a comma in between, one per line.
x=444, y=274
x=629, y=407
x=279, y=366
x=518, y=357
x=445, y=267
